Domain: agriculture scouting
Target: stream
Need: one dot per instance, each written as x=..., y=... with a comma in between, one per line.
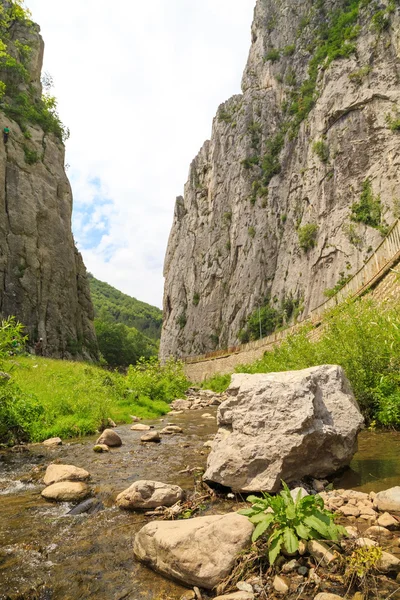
x=46, y=555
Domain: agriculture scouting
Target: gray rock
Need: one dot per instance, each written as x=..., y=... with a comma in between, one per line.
x=56, y=441
x=389, y=500
x=152, y=436
x=140, y=427
x=171, y=429
x=268, y=417
x=232, y=244
x=199, y=551
x=109, y=438
x=149, y=494
x=243, y=586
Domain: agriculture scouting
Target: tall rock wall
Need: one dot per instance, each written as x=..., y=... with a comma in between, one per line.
x=300, y=178
x=42, y=276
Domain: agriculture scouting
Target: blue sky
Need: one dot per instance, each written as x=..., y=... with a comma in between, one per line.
x=138, y=85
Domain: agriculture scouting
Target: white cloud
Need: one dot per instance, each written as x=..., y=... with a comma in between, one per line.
x=138, y=84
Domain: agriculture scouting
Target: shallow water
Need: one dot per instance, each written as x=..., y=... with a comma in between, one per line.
x=45, y=555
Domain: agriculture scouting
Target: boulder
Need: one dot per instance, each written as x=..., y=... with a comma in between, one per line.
x=66, y=491
x=109, y=438
x=389, y=500
x=199, y=551
x=56, y=441
x=140, y=427
x=149, y=494
x=152, y=436
x=284, y=426
x=388, y=563
x=57, y=473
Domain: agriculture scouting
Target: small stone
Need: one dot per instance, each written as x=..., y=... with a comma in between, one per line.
x=135, y=419
x=388, y=563
x=312, y=576
x=318, y=485
x=175, y=412
x=197, y=593
x=348, y=510
x=190, y=595
x=236, y=596
x=171, y=429
x=243, y=586
x=109, y=438
x=358, y=596
x=140, y=427
x=152, y=436
x=386, y=520
x=208, y=444
x=101, y=448
x=376, y=532
x=302, y=547
x=302, y=571
x=56, y=441
x=362, y=542
x=298, y=490
x=352, y=532
x=281, y=585
x=111, y=423
x=321, y=552
x=290, y=566
x=207, y=416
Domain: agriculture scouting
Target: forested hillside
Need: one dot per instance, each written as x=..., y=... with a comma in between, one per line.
x=126, y=328
x=125, y=309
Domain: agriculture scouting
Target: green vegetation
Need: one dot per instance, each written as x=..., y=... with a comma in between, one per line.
x=361, y=337
x=20, y=98
x=307, y=236
x=265, y=320
x=369, y=209
x=217, y=383
x=359, y=75
x=122, y=308
x=273, y=55
x=289, y=521
x=196, y=299
x=380, y=21
x=343, y=279
x=31, y=156
x=251, y=231
x=121, y=346
x=321, y=149
x=182, y=320
x=360, y=565
x=289, y=50
x=393, y=122
x=43, y=397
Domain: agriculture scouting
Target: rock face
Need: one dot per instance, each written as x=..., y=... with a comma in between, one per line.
x=42, y=276
x=284, y=426
x=56, y=473
x=149, y=494
x=282, y=158
x=198, y=551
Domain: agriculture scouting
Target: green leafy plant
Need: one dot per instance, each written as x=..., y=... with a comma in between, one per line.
x=369, y=209
x=284, y=521
x=321, y=149
x=273, y=55
x=196, y=298
x=361, y=564
x=307, y=236
x=31, y=156
x=251, y=231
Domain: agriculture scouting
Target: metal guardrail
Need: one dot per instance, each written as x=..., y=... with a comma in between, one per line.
x=378, y=264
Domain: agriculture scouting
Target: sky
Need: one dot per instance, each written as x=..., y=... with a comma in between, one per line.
x=138, y=84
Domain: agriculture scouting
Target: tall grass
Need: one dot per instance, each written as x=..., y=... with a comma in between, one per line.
x=42, y=397
x=361, y=336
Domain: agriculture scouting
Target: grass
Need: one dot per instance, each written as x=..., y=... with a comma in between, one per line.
x=69, y=399
x=364, y=338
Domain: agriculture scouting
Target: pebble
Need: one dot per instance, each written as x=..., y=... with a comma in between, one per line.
x=302, y=571
x=386, y=520
x=290, y=566
x=101, y=448
x=243, y=586
x=281, y=585
x=140, y=427
x=152, y=436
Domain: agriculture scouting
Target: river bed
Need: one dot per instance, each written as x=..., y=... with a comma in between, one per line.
x=46, y=555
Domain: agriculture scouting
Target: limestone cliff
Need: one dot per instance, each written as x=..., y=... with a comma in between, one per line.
x=300, y=179
x=42, y=275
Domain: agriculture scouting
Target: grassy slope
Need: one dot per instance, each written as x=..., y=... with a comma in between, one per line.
x=77, y=396
x=124, y=309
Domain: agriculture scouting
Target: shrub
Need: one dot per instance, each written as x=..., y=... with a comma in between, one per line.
x=307, y=236
x=273, y=55
x=343, y=279
x=321, y=149
x=349, y=229
x=289, y=50
x=359, y=75
x=368, y=210
x=182, y=320
x=196, y=298
x=31, y=156
x=251, y=231
x=217, y=383
x=290, y=521
x=393, y=122
x=158, y=381
x=380, y=21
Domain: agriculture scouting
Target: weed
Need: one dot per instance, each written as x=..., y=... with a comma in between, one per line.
x=307, y=236
x=321, y=149
x=196, y=298
x=369, y=209
x=273, y=55
x=31, y=156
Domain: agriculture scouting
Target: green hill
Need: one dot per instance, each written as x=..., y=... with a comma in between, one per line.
x=124, y=309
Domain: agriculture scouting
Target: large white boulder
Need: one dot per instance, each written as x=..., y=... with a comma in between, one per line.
x=198, y=551
x=284, y=426
x=388, y=500
x=56, y=473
